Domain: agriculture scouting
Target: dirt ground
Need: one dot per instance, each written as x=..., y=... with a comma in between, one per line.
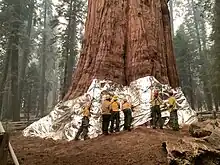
x=142, y=146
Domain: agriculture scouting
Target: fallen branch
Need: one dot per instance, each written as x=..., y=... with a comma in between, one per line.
x=4, y=139
x=14, y=157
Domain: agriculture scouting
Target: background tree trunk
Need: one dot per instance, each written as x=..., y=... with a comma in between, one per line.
x=15, y=36
x=70, y=45
x=42, y=64
x=124, y=41
x=204, y=74
x=24, y=59
x=215, y=53
x=5, y=73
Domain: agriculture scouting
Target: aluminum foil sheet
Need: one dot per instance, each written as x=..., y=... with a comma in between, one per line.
x=64, y=121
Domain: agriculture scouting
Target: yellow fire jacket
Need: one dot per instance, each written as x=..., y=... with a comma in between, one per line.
x=172, y=103
x=106, y=109
x=86, y=111
x=126, y=106
x=115, y=106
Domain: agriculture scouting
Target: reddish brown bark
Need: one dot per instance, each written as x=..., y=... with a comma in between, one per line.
x=125, y=40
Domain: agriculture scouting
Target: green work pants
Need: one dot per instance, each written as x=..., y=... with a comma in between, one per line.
x=156, y=116
x=127, y=119
x=174, y=120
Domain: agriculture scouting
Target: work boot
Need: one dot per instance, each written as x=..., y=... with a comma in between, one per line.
x=117, y=130
x=86, y=138
x=76, y=139
x=106, y=133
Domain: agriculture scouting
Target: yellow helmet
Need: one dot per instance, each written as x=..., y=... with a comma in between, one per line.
x=115, y=97
x=107, y=97
x=125, y=100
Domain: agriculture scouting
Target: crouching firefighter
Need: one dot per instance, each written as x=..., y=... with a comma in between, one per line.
x=173, y=112
x=106, y=114
x=115, y=114
x=156, y=101
x=126, y=107
x=84, y=128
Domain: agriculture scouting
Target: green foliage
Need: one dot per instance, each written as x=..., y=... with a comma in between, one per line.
x=31, y=44
x=192, y=47
x=184, y=58
x=79, y=8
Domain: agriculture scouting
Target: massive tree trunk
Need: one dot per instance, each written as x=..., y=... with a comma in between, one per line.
x=171, y=17
x=125, y=40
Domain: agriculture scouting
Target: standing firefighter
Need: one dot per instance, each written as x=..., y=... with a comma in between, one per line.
x=84, y=128
x=173, y=112
x=126, y=107
x=115, y=114
x=156, y=101
x=106, y=114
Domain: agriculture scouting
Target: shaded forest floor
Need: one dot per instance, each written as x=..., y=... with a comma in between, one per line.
x=141, y=146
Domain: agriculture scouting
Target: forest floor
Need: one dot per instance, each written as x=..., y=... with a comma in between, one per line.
x=141, y=146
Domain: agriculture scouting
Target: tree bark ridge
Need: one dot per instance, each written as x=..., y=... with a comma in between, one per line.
x=125, y=40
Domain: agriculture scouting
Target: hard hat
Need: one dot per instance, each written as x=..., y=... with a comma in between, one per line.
x=107, y=97
x=115, y=97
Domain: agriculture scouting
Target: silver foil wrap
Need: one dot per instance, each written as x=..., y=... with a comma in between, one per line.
x=64, y=121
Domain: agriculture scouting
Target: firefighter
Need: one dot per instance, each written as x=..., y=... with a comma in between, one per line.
x=84, y=128
x=115, y=114
x=106, y=114
x=126, y=107
x=156, y=101
x=173, y=112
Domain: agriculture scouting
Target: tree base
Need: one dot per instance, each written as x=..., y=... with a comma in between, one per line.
x=64, y=121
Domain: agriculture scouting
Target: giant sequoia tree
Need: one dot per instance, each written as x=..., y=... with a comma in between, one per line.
x=125, y=40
